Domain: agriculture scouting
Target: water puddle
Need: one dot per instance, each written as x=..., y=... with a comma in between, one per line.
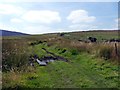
x=43, y=61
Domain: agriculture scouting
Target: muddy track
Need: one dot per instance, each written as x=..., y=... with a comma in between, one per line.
x=56, y=56
x=43, y=61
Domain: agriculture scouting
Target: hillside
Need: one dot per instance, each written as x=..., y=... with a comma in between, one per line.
x=10, y=33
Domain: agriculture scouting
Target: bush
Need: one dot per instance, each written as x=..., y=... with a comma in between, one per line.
x=105, y=52
x=74, y=52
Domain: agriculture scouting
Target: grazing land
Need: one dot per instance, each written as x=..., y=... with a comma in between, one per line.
x=81, y=60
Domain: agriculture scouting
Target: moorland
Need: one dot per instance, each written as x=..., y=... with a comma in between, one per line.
x=86, y=59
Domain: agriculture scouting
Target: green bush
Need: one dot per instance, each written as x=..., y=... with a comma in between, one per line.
x=105, y=52
x=74, y=52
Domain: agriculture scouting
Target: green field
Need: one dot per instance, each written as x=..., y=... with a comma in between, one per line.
x=90, y=65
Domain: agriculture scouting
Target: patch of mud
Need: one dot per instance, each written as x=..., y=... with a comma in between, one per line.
x=43, y=61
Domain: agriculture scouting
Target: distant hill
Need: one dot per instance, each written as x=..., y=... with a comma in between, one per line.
x=11, y=33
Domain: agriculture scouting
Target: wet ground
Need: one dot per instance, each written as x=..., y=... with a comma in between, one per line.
x=43, y=61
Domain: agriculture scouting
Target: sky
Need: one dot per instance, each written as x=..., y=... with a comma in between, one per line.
x=38, y=17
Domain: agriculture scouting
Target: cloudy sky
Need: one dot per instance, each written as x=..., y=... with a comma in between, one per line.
x=36, y=17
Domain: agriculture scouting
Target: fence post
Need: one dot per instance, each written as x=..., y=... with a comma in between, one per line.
x=116, y=49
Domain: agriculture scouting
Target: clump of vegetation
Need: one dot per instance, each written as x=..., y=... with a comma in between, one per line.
x=74, y=52
x=81, y=46
x=118, y=51
x=109, y=51
x=105, y=52
x=15, y=54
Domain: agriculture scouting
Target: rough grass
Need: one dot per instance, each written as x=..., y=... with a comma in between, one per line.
x=80, y=73
x=100, y=35
x=14, y=53
x=87, y=67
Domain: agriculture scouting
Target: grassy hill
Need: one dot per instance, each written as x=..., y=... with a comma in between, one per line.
x=11, y=33
x=90, y=65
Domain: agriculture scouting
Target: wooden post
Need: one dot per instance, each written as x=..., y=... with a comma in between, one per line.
x=116, y=50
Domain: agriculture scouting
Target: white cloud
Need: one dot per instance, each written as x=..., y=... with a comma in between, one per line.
x=8, y=27
x=81, y=21
x=41, y=29
x=7, y=9
x=27, y=29
x=80, y=16
x=1, y=26
x=16, y=20
x=42, y=16
x=37, y=29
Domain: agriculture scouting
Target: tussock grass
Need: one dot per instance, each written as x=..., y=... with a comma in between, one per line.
x=109, y=51
x=14, y=54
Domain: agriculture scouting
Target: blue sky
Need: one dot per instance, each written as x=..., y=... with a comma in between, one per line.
x=48, y=17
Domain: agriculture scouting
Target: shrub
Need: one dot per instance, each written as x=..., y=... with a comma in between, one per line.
x=74, y=52
x=105, y=52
